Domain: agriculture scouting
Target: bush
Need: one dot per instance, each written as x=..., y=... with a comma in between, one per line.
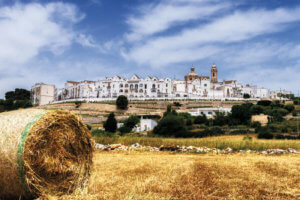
x=289, y=107
x=220, y=119
x=256, y=110
x=294, y=113
x=123, y=130
x=255, y=124
x=246, y=96
x=201, y=119
x=264, y=133
x=122, y=102
x=111, y=123
x=264, y=103
x=171, y=125
x=278, y=114
x=177, y=104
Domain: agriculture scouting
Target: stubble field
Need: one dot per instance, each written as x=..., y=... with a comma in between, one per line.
x=166, y=175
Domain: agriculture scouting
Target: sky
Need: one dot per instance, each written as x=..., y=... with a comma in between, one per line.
x=255, y=42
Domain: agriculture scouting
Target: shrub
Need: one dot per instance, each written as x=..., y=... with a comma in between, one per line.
x=177, y=104
x=246, y=96
x=255, y=124
x=189, y=122
x=264, y=133
x=171, y=125
x=256, y=110
x=294, y=113
x=111, y=123
x=278, y=114
x=220, y=119
x=289, y=107
x=124, y=129
x=122, y=102
x=264, y=103
x=201, y=119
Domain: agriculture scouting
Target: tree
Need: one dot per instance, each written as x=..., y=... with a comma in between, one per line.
x=131, y=122
x=170, y=111
x=122, y=102
x=240, y=114
x=18, y=94
x=278, y=114
x=22, y=94
x=220, y=119
x=264, y=133
x=289, y=107
x=246, y=96
x=201, y=119
x=264, y=103
x=256, y=110
x=171, y=125
x=10, y=95
x=111, y=123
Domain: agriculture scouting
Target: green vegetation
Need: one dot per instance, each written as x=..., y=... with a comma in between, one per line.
x=111, y=123
x=20, y=98
x=122, y=102
x=129, y=124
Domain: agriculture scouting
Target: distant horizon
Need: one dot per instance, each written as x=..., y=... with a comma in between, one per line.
x=253, y=42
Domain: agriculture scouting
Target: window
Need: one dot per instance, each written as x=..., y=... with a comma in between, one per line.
x=126, y=85
x=145, y=86
x=131, y=86
x=153, y=86
x=205, y=85
x=141, y=85
x=121, y=85
x=166, y=84
x=209, y=112
x=121, y=91
x=136, y=86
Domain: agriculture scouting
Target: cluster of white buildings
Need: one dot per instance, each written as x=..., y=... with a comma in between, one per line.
x=193, y=86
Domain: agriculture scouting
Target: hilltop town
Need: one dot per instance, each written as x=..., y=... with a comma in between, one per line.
x=193, y=86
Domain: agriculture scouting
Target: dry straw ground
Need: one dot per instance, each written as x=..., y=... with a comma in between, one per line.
x=164, y=175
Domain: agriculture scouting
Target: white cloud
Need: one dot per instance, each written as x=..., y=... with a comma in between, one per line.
x=275, y=79
x=155, y=18
x=233, y=28
x=27, y=30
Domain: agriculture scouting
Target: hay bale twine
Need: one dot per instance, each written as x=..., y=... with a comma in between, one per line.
x=43, y=152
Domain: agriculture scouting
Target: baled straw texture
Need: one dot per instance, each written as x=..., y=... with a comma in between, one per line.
x=54, y=158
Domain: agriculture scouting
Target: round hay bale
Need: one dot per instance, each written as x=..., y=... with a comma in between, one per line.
x=43, y=152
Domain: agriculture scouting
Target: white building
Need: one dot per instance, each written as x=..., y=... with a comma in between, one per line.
x=42, y=94
x=145, y=125
x=209, y=112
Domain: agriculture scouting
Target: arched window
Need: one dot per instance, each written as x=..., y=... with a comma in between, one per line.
x=153, y=86
x=121, y=91
x=121, y=85
x=141, y=91
x=136, y=86
x=126, y=85
x=131, y=86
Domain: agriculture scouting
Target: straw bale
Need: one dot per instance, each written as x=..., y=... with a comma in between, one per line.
x=55, y=159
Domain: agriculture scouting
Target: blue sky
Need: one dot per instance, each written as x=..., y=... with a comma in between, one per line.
x=254, y=42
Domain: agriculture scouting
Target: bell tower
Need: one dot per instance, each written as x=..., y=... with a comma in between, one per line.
x=214, y=74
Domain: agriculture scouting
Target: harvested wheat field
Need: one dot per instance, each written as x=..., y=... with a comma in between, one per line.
x=163, y=175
